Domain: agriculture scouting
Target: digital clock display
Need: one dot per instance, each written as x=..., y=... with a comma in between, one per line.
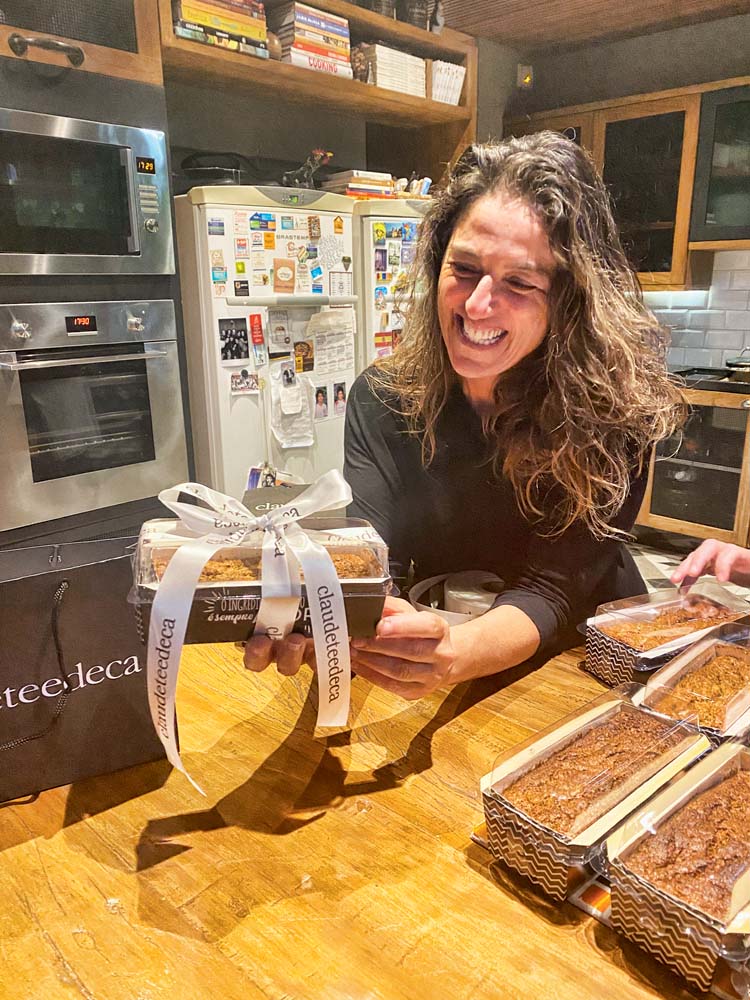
x=80, y=324
x=145, y=164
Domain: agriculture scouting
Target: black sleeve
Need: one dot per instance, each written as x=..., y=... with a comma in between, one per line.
x=378, y=494
x=563, y=577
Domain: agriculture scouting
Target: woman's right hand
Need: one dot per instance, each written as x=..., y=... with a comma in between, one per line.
x=728, y=563
x=288, y=654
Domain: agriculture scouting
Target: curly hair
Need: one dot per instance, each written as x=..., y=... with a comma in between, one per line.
x=573, y=419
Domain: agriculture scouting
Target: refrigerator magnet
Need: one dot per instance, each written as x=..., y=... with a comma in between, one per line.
x=312, y=251
x=381, y=259
x=218, y=274
x=380, y=296
x=284, y=270
x=338, y=225
x=410, y=231
x=394, y=255
x=243, y=383
x=269, y=241
x=347, y=262
x=241, y=288
x=407, y=254
x=378, y=233
x=304, y=355
x=256, y=241
x=215, y=227
x=279, y=336
x=240, y=267
x=339, y=283
x=234, y=344
x=241, y=247
x=316, y=272
x=394, y=230
x=217, y=258
x=313, y=227
x=263, y=221
x=240, y=223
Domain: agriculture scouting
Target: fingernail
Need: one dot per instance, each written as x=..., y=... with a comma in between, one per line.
x=385, y=628
x=359, y=643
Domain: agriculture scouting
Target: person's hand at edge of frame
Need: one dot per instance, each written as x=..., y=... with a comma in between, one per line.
x=727, y=562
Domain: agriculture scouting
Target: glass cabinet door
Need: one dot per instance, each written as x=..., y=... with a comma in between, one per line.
x=721, y=203
x=577, y=127
x=646, y=154
x=700, y=477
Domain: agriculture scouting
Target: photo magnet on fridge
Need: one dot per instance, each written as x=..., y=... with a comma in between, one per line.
x=233, y=340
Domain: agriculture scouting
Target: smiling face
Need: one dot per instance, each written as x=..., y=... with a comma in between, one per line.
x=493, y=291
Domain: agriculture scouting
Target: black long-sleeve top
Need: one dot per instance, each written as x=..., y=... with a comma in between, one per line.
x=455, y=515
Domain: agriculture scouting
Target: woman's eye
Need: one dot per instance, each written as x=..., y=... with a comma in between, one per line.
x=520, y=286
x=463, y=270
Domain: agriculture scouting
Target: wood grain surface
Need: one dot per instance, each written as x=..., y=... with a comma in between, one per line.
x=329, y=867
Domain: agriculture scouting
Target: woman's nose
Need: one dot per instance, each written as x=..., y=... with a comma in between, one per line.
x=479, y=303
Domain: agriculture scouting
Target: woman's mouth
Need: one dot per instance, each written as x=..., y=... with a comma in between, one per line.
x=479, y=337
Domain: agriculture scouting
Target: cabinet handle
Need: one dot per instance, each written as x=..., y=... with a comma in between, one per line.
x=19, y=45
x=746, y=404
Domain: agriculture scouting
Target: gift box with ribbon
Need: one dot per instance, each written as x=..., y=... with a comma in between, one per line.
x=221, y=574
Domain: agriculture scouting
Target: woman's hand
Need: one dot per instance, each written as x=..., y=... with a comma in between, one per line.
x=728, y=563
x=288, y=654
x=411, y=653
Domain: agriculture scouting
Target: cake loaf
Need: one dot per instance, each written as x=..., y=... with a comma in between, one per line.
x=670, y=624
x=237, y=569
x=698, y=854
x=705, y=692
x=579, y=783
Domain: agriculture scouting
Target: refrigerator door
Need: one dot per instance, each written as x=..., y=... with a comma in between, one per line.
x=385, y=234
x=269, y=316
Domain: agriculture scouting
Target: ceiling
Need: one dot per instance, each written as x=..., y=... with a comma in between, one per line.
x=530, y=25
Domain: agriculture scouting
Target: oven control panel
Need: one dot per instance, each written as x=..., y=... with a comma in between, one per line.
x=61, y=324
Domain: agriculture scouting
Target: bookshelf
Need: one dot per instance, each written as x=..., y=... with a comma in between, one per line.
x=417, y=133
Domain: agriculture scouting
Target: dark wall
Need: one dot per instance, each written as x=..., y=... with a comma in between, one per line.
x=713, y=50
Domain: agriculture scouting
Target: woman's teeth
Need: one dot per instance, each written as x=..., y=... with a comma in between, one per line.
x=481, y=337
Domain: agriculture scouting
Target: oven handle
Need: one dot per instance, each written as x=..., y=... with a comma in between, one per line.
x=22, y=366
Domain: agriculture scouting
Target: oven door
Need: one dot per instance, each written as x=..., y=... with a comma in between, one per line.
x=86, y=428
x=79, y=197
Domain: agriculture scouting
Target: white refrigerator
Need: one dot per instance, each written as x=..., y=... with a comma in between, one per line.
x=269, y=307
x=385, y=234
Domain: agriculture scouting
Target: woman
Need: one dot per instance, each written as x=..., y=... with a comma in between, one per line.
x=510, y=431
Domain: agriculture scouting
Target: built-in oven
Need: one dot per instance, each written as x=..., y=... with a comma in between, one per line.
x=90, y=407
x=82, y=197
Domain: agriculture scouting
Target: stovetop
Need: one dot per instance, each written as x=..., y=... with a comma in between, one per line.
x=717, y=379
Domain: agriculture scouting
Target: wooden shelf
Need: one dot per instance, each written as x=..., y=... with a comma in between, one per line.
x=198, y=63
x=719, y=245
x=449, y=45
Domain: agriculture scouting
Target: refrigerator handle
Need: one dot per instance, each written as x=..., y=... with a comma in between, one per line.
x=272, y=301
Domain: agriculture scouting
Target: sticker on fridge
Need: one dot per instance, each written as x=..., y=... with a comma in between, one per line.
x=241, y=288
x=215, y=227
x=263, y=220
x=241, y=248
x=304, y=355
x=269, y=241
x=240, y=267
x=338, y=225
x=217, y=258
x=284, y=270
x=233, y=341
x=339, y=283
x=378, y=233
x=279, y=335
x=243, y=383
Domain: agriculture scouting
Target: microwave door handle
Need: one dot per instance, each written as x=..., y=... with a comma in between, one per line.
x=23, y=366
x=131, y=181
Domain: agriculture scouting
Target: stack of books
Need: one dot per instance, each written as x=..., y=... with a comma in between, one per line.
x=238, y=25
x=313, y=39
x=447, y=81
x=396, y=70
x=360, y=184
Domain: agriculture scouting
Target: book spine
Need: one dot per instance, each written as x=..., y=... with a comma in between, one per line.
x=316, y=37
x=366, y=175
x=332, y=66
x=242, y=7
x=302, y=45
x=237, y=26
x=303, y=8
x=215, y=37
x=321, y=23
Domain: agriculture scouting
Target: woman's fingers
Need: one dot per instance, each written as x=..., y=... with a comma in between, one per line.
x=396, y=667
x=290, y=653
x=258, y=652
x=697, y=563
x=409, y=691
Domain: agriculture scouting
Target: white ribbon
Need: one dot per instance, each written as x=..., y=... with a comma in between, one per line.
x=224, y=522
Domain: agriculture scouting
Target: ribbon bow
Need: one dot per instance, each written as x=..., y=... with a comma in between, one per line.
x=221, y=522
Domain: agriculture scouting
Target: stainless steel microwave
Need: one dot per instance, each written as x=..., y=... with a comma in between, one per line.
x=82, y=197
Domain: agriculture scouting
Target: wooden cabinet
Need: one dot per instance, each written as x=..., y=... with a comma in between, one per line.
x=404, y=133
x=699, y=481
x=113, y=37
x=721, y=200
x=646, y=152
x=578, y=126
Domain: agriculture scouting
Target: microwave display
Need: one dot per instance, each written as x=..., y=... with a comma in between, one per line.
x=145, y=164
x=63, y=196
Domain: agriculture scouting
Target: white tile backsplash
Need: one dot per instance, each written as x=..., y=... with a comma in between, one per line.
x=707, y=327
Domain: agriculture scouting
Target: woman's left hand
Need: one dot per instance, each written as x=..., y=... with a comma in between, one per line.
x=411, y=653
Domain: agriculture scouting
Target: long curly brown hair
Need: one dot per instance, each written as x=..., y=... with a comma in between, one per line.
x=574, y=419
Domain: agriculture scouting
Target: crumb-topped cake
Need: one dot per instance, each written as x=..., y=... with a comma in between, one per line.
x=671, y=624
x=235, y=569
x=705, y=692
x=698, y=854
x=577, y=784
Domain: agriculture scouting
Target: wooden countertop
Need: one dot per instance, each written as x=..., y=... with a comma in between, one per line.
x=337, y=868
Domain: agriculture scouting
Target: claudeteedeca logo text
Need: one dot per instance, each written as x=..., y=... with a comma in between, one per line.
x=78, y=678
